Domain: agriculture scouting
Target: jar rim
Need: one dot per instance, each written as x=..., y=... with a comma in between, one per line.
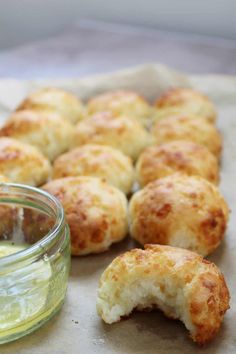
x=40, y=246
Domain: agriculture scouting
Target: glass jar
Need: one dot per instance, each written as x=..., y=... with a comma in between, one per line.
x=34, y=259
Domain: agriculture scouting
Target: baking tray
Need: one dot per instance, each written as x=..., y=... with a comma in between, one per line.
x=77, y=329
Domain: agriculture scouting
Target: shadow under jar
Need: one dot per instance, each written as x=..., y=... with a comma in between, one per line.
x=34, y=259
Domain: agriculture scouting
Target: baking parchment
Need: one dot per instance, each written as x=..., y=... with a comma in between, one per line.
x=77, y=329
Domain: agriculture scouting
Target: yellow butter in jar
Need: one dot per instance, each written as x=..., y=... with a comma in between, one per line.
x=34, y=259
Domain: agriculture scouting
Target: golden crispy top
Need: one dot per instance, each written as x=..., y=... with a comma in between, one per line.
x=121, y=132
x=56, y=99
x=26, y=121
x=23, y=163
x=177, y=156
x=99, y=161
x=187, y=101
x=188, y=127
x=120, y=102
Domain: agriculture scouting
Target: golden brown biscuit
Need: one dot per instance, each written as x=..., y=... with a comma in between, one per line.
x=95, y=211
x=181, y=211
x=176, y=156
x=23, y=163
x=109, y=164
x=46, y=130
x=56, y=99
x=184, y=101
x=190, y=128
x=122, y=133
x=180, y=283
x=122, y=102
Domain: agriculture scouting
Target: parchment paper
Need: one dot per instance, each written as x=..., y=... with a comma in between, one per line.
x=77, y=328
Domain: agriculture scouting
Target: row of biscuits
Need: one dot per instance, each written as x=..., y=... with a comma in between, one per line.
x=45, y=119
x=181, y=207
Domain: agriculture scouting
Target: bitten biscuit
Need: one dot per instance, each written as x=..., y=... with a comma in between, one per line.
x=180, y=283
x=184, y=101
x=46, y=130
x=121, y=102
x=122, y=133
x=181, y=211
x=109, y=164
x=23, y=163
x=176, y=156
x=56, y=99
x=95, y=211
x=188, y=127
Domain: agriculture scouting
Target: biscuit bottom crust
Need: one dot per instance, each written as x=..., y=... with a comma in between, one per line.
x=179, y=282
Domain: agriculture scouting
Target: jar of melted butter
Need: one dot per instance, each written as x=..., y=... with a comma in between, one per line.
x=34, y=259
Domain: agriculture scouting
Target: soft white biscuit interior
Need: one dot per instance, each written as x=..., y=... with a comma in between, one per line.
x=166, y=293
